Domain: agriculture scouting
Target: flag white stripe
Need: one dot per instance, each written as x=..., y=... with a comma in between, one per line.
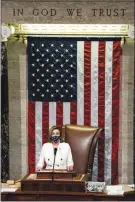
x=80, y=82
x=38, y=129
x=94, y=83
x=108, y=111
x=52, y=114
x=94, y=98
x=66, y=113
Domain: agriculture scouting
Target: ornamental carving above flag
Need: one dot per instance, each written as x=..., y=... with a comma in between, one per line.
x=75, y=80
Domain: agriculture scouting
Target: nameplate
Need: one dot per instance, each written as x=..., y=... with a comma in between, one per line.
x=94, y=186
x=55, y=174
x=114, y=190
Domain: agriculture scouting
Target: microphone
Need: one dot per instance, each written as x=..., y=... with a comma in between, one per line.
x=55, y=151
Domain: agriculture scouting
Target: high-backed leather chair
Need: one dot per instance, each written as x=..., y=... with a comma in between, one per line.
x=83, y=141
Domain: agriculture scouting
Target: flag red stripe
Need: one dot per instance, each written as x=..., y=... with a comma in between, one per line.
x=31, y=136
x=101, y=108
x=115, y=109
x=87, y=82
x=59, y=113
x=45, y=121
x=73, y=112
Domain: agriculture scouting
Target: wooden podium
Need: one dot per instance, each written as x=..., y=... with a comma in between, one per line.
x=40, y=187
x=59, y=180
x=56, y=174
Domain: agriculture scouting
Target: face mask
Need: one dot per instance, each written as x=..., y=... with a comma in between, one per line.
x=55, y=138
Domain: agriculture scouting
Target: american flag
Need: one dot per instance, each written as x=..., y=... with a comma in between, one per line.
x=75, y=80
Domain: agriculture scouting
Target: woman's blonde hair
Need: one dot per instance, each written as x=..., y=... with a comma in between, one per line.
x=51, y=130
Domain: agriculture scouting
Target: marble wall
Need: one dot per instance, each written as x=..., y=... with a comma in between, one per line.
x=106, y=11
x=126, y=135
x=17, y=75
x=4, y=114
x=17, y=108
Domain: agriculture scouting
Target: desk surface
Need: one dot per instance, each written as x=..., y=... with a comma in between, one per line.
x=19, y=195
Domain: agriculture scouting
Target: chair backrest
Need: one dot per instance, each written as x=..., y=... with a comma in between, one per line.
x=83, y=141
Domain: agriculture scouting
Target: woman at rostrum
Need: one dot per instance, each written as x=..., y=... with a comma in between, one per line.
x=61, y=151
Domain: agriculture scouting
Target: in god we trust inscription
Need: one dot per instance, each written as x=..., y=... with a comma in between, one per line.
x=70, y=12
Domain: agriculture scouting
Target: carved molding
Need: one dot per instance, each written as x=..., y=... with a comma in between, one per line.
x=72, y=29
